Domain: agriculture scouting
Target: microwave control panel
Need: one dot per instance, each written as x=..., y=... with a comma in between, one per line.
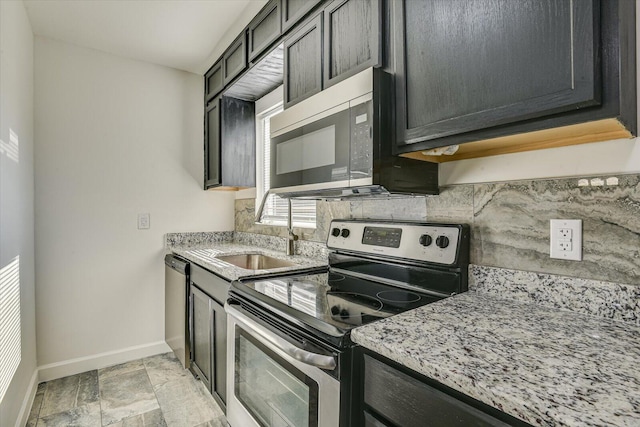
x=361, y=117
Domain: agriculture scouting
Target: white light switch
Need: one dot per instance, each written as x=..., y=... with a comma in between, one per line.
x=144, y=221
x=566, y=239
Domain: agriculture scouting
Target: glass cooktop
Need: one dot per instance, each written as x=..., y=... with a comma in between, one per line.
x=332, y=302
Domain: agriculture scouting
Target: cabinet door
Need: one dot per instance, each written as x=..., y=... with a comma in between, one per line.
x=408, y=402
x=213, y=82
x=238, y=142
x=303, y=62
x=234, y=60
x=465, y=66
x=352, y=35
x=265, y=28
x=219, y=381
x=371, y=421
x=212, y=171
x=295, y=10
x=200, y=318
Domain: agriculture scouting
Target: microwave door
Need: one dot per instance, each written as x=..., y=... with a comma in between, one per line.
x=313, y=155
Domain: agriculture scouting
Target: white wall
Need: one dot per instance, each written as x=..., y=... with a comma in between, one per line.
x=600, y=158
x=114, y=137
x=16, y=192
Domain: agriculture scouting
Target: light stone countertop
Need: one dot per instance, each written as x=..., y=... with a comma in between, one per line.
x=205, y=255
x=546, y=366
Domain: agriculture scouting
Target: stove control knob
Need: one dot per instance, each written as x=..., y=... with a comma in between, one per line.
x=335, y=310
x=344, y=313
x=425, y=240
x=442, y=242
x=335, y=232
x=345, y=232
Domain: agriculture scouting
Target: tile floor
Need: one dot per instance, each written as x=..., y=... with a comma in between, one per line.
x=155, y=391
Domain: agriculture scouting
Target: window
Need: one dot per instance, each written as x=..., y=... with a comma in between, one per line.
x=10, y=347
x=275, y=208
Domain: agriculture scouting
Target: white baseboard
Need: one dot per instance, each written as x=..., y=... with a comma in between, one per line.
x=25, y=409
x=102, y=360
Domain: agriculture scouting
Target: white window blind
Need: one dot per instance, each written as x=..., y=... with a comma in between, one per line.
x=276, y=209
x=10, y=347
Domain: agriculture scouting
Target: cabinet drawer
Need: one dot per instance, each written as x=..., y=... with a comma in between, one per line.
x=408, y=402
x=211, y=284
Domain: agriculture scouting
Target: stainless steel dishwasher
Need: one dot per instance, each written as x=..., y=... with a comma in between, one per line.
x=176, y=311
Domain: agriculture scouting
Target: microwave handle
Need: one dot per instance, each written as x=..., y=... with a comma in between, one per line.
x=308, y=358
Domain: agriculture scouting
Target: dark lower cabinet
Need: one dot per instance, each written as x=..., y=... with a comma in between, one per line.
x=230, y=143
x=479, y=69
x=208, y=331
x=352, y=36
x=394, y=396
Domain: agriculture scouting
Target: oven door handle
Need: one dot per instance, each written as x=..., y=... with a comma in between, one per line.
x=308, y=358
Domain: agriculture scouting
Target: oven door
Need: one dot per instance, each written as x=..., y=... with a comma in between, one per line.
x=272, y=383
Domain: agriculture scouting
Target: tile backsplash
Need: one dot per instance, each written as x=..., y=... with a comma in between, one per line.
x=510, y=222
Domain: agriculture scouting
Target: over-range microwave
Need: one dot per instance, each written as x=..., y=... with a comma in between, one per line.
x=338, y=143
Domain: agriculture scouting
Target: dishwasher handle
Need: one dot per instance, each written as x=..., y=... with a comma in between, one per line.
x=176, y=263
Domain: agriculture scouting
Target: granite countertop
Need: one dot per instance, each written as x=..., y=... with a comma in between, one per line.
x=205, y=256
x=545, y=366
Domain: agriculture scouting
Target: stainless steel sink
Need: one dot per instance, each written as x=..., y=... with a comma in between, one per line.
x=255, y=261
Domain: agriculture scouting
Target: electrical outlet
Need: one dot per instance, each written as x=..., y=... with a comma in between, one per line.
x=566, y=239
x=565, y=245
x=144, y=221
x=565, y=233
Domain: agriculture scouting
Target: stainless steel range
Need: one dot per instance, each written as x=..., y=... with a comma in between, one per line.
x=289, y=337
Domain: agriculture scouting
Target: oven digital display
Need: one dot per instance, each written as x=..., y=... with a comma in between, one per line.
x=382, y=236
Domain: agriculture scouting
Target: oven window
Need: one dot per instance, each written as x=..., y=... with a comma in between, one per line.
x=271, y=389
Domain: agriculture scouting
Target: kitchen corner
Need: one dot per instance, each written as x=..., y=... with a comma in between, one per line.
x=460, y=183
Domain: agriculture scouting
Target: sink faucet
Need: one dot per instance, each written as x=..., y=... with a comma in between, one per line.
x=292, y=237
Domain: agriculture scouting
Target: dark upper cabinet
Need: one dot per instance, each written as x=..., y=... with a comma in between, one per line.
x=230, y=143
x=464, y=66
x=213, y=81
x=265, y=28
x=212, y=135
x=238, y=143
x=234, y=60
x=352, y=35
x=294, y=10
x=303, y=62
